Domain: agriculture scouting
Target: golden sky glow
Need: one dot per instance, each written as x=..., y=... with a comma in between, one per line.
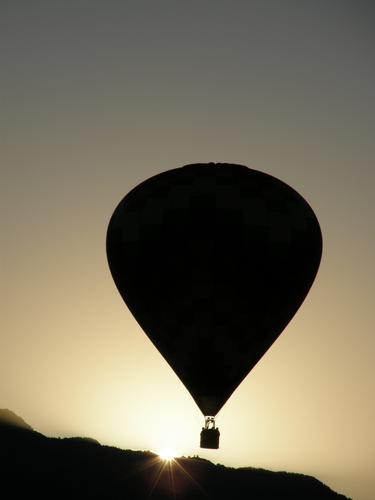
x=97, y=101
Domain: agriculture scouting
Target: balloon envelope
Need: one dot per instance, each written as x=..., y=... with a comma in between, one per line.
x=213, y=261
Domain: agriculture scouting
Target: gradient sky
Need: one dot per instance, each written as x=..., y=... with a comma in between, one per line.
x=98, y=96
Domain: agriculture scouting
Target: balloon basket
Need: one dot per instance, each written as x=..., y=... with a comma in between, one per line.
x=210, y=434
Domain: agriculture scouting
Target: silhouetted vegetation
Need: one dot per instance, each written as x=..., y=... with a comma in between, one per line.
x=80, y=468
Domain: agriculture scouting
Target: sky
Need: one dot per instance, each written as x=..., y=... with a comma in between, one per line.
x=97, y=97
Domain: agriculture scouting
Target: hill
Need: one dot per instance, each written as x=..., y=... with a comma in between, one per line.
x=9, y=418
x=81, y=468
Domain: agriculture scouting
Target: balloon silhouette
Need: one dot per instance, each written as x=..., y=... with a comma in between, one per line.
x=213, y=261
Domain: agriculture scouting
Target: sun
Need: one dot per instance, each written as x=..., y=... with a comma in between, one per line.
x=167, y=454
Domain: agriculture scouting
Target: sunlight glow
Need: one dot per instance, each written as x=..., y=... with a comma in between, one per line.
x=167, y=454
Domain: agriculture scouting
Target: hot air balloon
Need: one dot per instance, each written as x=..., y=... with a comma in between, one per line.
x=213, y=261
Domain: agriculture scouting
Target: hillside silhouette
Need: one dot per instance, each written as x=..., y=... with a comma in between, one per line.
x=34, y=465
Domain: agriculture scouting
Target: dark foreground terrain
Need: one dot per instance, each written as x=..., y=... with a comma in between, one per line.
x=34, y=466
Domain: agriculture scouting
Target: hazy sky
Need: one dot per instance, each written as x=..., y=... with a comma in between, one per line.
x=98, y=96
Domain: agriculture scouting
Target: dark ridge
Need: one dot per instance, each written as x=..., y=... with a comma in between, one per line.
x=80, y=468
x=8, y=417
